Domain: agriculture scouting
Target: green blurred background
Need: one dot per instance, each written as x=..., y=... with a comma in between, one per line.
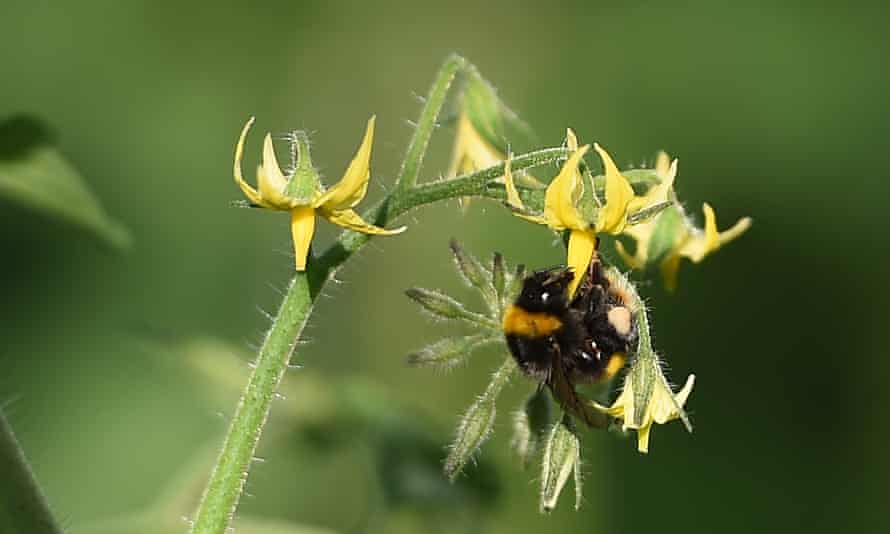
x=779, y=113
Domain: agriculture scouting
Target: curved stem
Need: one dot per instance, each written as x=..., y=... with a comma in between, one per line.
x=427, y=123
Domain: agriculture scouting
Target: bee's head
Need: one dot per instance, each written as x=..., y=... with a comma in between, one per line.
x=545, y=291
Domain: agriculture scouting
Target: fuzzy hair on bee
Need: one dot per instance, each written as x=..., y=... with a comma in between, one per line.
x=561, y=341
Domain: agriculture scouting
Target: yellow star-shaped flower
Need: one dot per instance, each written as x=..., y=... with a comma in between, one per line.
x=472, y=152
x=561, y=205
x=677, y=236
x=301, y=192
x=662, y=406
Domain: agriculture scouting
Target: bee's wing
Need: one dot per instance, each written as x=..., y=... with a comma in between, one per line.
x=564, y=392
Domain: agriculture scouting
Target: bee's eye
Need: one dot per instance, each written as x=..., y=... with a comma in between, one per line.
x=545, y=296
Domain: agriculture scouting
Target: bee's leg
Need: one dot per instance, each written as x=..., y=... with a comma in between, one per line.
x=564, y=392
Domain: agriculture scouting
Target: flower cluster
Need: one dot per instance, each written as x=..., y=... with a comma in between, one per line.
x=639, y=205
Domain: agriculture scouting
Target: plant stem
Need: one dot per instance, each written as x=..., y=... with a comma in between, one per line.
x=427, y=122
x=227, y=481
x=23, y=508
x=384, y=213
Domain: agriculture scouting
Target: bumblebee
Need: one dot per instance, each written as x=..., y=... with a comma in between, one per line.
x=561, y=341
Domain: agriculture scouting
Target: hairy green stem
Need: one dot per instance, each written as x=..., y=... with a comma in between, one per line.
x=23, y=508
x=227, y=481
x=427, y=123
x=384, y=213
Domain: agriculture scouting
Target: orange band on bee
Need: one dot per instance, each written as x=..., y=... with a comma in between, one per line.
x=520, y=322
x=616, y=363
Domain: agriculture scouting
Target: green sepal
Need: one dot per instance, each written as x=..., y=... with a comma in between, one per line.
x=448, y=352
x=445, y=307
x=475, y=274
x=476, y=424
x=562, y=457
x=305, y=183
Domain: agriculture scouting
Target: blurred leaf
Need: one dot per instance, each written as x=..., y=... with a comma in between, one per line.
x=250, y=525
x=34, y=173
x=177, y=501
x=410, y=473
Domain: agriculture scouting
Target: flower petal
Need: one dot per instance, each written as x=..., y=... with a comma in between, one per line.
x=582, y=243
x=562, y=194
x=664, y=405
x=571, y=140
x=353, y=221
x=643, y=437
x=701, y=244
x=613, y=216
x=270, y=180
x=661, y=192
x=351, y=189
x=663, y=164
x=471, y=151
x=669, y=269
x=635, y=261
x=252, y=195
x=302, y=227
x=513, y=199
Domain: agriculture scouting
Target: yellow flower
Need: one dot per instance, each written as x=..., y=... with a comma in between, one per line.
x=661, y=406
x=561, y=205
x=677, y=237
x=471, y=151
x=302, y=194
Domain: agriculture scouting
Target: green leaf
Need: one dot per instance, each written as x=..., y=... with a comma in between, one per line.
x=409, y=467
x=34, y=173
x=451, y=351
